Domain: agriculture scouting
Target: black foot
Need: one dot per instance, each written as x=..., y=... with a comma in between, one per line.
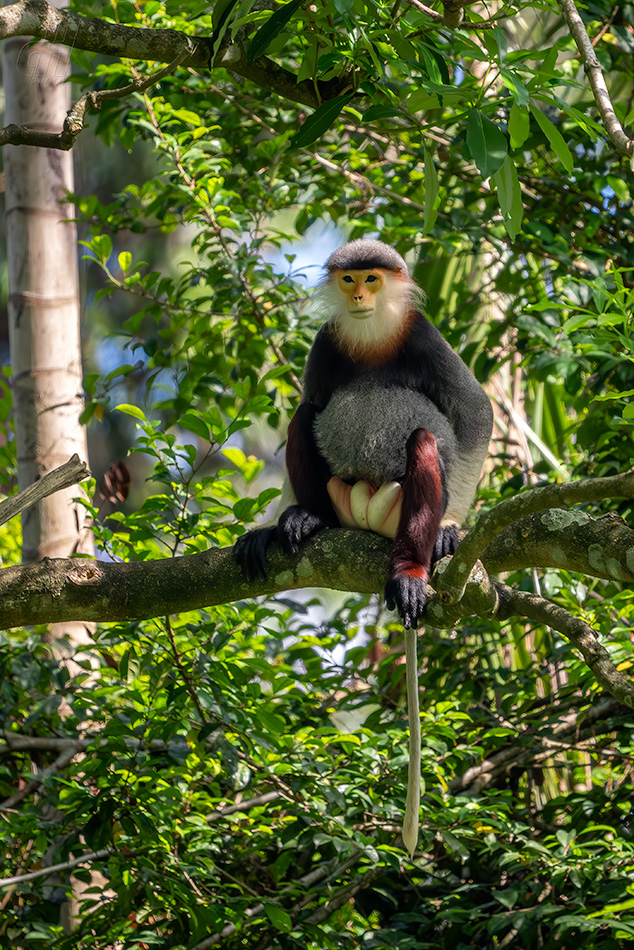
x=250, y=553
x=295, y=524
x=447, y=542
x=409, y=596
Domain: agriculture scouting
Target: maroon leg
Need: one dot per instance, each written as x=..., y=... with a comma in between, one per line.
x=308, y=474
x=423, y=506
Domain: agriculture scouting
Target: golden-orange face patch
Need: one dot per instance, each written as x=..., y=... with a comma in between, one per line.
x=360, y=288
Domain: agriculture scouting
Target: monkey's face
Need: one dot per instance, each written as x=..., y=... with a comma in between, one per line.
x=361, y=289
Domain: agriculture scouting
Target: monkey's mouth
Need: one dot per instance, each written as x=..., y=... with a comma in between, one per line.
x=361, y=313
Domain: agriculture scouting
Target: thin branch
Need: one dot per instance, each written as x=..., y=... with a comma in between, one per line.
x=55, y=868
x=452, y=581
x=71, y=472
x=74, y=121
x=422, y=8
x=60, y=762
x=580, y=634
x=453, y=16
x=16, y=742
x=622, y=142
x=528, y=743
x=244, y=806
x=308, y=880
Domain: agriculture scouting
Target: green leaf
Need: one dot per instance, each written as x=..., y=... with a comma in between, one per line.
x=309, y=63
x=267, y=33
x=102, y=246
x=131, y=410
x=519, y=125
x=510, y=197
x=380, y=112
x=193, y=422
x=507, y=897
x=279, y=918
x=486, y=143
x=125, y=259
x=224, y=12
x=517, y=88
x=556, y=139
x=319, y=122
x=432, y=199
x=421, y=101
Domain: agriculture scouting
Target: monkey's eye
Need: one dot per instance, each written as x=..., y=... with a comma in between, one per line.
x=347, y=279
x=371, y=278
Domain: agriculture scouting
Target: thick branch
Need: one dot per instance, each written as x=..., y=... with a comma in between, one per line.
x=570, y=540
x=621, y=141
x=78, y=588
x=37, y=18
x=536, y=499
x=81, y=589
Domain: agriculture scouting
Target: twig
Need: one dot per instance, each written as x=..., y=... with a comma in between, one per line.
x=66, y=475
x=54, y=868
x=452, y=17
x=621, y=141
x=189, y=686
x=62, y=759
x=245, y=805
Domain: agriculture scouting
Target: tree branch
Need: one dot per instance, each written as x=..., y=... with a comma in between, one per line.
x=66, y=28
x=577, y=724
x=580, y=634
x=81, y=589
x=570, y=540
x=621, y=141
x=74, y=121
x=66, y=475
x=55, y=868
x=489, y=525
x=60, y=762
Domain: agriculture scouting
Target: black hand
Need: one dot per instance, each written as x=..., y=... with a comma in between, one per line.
x=409, y=596
x=295, y=524
x=250, y=553
x=447, y=542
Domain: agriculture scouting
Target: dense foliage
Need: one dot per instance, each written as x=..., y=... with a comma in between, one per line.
x=237, y=776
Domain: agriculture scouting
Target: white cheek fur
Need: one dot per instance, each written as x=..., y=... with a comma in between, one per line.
x=392, y=303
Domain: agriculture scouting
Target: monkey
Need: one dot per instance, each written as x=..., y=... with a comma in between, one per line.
x=390, y=436
x=391, y=432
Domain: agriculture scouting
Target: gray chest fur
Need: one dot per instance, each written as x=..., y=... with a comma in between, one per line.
x=363, y=431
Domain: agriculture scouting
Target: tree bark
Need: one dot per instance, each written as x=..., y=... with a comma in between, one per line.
x=44, y=334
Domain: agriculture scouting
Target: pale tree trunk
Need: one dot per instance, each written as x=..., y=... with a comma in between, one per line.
x=44, y=330
x=43, y=295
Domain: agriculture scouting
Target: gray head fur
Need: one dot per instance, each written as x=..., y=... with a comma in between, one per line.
x=366, y=255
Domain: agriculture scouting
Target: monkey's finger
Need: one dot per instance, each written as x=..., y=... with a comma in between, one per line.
x=339, y=493
x=250, y=553
x=360, y=496
x=384, y=509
